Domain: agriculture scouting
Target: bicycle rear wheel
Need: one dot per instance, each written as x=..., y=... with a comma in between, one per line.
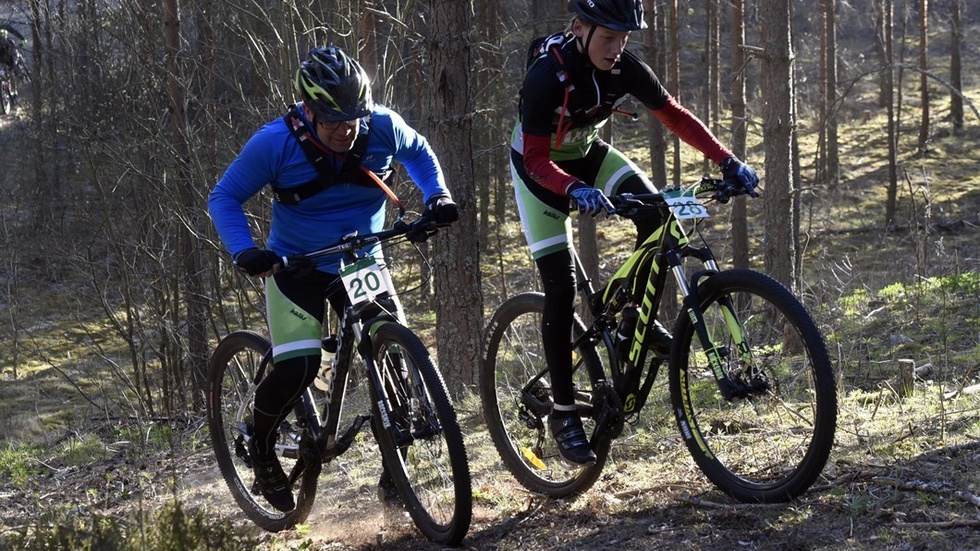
x=239, y=362
x=515, y=390
x=420, y=438
x=771, y=444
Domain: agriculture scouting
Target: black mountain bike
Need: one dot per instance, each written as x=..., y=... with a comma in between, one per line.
x=751, y=383
x=410, y=411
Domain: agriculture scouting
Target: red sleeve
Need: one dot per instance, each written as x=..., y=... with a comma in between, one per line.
x=691, y=130
x=538, y=163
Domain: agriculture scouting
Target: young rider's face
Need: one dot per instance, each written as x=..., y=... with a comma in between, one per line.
x=606, y=45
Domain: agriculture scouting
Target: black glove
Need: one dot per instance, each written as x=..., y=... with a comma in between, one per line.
x=740, y=174
x=256, y=262
x=441, y=209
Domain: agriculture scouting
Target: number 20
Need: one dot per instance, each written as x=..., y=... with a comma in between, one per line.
x=371, y=281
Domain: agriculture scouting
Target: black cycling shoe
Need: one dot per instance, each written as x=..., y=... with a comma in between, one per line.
x=387, y=493
x=271, y=481
x=661, y=340
x=573, y=445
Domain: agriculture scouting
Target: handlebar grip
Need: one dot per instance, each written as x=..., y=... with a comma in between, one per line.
x=729, y=188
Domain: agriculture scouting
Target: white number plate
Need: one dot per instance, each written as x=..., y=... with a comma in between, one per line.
x=363, y=280
x=685, y=205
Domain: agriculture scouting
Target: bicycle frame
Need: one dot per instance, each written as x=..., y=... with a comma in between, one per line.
x=640, y=280
x=353, y=336
x=355, y=326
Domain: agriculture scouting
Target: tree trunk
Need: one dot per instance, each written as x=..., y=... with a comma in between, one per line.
x=674, y=83
x=923, y=78
x=588, y=242
x=188, y=245
x=955, y=68
x=740, y=233
x=831, y=164
x=456, y=257
x=883, y=21
x=653, y=53
x=777, y=93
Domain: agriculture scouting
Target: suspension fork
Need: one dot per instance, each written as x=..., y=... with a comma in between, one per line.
x=367, y=329
x=714, y=352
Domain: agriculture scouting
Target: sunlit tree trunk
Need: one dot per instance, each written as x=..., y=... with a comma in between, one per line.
x=955, y=68
x=654, y=56
x=711, y=52
x=883, y=22
x=830, y=167
x=777, y=93
x=674, y=82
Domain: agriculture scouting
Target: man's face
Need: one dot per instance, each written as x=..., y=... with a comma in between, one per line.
x=339, y=136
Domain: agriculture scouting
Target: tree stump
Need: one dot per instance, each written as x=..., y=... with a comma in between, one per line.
x=906, y=377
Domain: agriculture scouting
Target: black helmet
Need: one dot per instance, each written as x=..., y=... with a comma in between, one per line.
x=618, y=15
x=334, y=85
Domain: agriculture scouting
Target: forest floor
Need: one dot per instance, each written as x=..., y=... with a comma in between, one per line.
x=651, y=497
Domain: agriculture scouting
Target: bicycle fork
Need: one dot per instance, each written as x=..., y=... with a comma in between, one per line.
x=388, y=380
x=715, y=352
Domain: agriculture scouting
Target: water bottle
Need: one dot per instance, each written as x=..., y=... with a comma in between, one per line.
x=324, y=379
x=624, y=332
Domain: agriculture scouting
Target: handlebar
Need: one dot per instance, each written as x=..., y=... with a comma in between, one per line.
x=417, y=231
x=717, y=189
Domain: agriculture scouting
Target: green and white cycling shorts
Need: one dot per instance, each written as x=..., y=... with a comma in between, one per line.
x=545, y=214
x=295, y=308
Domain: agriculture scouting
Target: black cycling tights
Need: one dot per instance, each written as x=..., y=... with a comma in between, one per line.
x=282, y=388
x=558, y=279
x=277, y=394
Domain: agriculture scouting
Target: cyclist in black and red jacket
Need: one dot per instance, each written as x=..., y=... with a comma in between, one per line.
x=575, y=81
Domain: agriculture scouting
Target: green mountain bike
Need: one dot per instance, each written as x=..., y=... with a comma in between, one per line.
x=751, y=383
x=410, y=412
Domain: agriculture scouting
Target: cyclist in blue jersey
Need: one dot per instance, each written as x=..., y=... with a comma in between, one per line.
x=574, y=83
x=325, y=161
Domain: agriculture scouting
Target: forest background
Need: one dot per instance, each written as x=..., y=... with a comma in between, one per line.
x=859, y=116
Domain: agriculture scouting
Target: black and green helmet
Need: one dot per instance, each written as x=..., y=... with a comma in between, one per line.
x=334, y=85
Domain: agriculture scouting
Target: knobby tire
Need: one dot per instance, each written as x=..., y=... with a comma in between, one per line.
x=422, y=445
x=231, y=390
x=516, y=412
x=772, y=445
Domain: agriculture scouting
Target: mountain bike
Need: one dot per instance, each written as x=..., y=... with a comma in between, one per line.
x=410, y=411
x=751, y=383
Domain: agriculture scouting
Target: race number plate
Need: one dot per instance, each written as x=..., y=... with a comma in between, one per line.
x=684, y=204
x=363, y=280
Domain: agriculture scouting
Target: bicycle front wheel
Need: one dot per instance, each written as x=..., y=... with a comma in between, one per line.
x=770, y=442
x=239, y=362
x=515, y=390
x=420, y=439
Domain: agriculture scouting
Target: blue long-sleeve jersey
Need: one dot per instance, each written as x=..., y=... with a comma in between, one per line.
x=272, y=156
